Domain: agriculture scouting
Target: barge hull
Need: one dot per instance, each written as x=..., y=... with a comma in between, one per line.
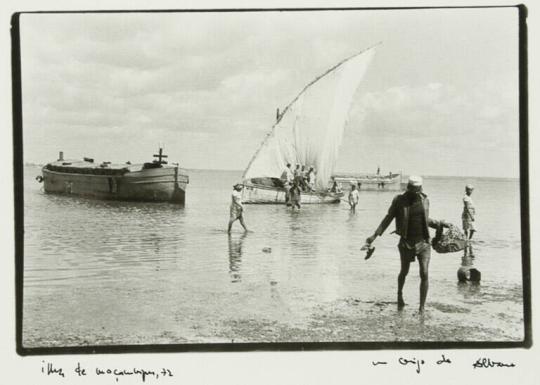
x=150, y=185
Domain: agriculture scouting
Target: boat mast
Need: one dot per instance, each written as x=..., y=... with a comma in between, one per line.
x=160, y=156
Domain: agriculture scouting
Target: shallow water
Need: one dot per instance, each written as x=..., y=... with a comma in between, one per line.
x=98, y=272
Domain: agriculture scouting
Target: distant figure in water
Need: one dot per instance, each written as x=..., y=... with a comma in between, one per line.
x=378, y=170
x=237, y=209
x=468, y=213
x=411, y=212
x=354, y=197
x=295, y=193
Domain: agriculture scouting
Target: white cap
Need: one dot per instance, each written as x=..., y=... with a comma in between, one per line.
x=415, y=180
x=469, y=187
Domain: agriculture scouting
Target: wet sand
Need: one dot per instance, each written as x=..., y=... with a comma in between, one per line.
x=345, y=320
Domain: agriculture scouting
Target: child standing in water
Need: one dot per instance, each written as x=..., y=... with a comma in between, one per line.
x=237, y=209
x=354, y=197
x=469, y=213
x=467, y=218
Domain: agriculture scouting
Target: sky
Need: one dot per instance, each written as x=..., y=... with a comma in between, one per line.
x=439, y=98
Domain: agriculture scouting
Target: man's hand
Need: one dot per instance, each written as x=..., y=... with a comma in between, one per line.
x=369, y=240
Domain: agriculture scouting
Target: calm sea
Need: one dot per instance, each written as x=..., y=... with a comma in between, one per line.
x=100, y=272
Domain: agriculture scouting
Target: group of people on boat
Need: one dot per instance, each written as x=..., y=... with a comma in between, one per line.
x=296, y=181
x=301, y=175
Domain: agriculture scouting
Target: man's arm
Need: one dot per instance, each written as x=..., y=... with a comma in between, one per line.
x=435, y=224
x=386, y=221
x=238, y=201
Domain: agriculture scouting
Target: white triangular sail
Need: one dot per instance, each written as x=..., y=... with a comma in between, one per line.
x=310, y=129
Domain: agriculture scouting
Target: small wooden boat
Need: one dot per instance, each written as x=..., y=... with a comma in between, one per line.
x=152, y=181
x=372, y=182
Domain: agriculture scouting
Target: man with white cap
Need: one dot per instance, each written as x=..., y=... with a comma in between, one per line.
x=468, y=212
x=411, y=212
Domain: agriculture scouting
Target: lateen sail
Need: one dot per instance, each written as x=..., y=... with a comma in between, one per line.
x=310, y=129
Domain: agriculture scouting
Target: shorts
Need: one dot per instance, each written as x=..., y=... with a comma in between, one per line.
x=236, y=213
x=468, y=225
x=420, y=249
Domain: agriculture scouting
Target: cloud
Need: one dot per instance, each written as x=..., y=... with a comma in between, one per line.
x=436, y=128
x=213, y=81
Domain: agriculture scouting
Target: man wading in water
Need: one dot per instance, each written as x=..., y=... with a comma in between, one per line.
x=237, y=209
x=411, y=211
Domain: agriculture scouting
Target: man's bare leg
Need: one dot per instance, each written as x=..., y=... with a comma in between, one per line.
x=230, y=225
x=405, y=264
x=424, y=281
x=241, y=218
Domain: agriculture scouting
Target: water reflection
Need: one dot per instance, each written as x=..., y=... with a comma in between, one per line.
x=75, y=201
x=468, y=251
x=235, y=256
x=468, y=276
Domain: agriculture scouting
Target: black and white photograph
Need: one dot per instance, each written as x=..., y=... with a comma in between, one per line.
x=272, y=179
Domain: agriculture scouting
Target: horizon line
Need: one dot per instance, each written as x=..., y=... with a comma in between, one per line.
x=336, y=172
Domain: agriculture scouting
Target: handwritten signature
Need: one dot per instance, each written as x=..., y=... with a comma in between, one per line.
x=483, y=362
x=486, y=363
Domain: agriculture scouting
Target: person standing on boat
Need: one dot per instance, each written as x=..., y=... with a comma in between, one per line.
x=311, y=178
x=287, y=178
x=411, y=212
x=285, y=174
x=304, y=178
x=468, y=213
x=237, y=208
x=297, y=171
x=335, y=186
x=354, y=197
